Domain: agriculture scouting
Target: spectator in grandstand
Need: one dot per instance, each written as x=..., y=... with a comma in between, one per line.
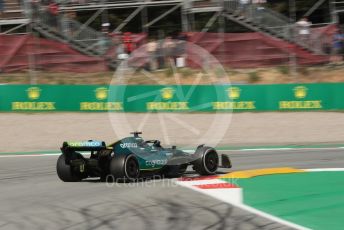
x=2, y=7
x=160, y=54
x=243, y=7
x=120, y=52
x=34, y=9
x=105, y=28
x=104, y=41
x=338, y=46
x=53, y=12
x=45, y=2
x=128, y=42
x=169, y=48
x=259, y=7
x=102, y=44
x=303, y=28
x=180, y=50
x=152, y=46
x=68, y=25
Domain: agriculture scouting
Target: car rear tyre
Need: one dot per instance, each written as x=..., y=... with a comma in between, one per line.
x=65, y=172
x=207, y=162
x=124, y=168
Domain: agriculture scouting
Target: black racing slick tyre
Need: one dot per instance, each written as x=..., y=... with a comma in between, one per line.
x=65, y=171
x=207, y=162
x=124, y=168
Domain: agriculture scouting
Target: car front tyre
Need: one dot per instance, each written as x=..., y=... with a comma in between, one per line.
x=207, y=162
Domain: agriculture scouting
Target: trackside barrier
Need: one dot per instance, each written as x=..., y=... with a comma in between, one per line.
x=173, y=98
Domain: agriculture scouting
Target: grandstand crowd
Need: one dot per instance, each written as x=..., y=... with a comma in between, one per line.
x=255, y=48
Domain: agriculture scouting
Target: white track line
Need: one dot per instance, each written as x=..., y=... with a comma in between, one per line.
x=29, y=155
x=271, y=149
x=281, y=149
x=261, y=149
x=324, y=170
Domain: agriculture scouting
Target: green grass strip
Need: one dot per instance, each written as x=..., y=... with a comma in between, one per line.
x=311, y=199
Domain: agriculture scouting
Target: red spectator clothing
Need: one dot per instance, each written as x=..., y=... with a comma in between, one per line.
x=127, y=37
x=129, y=47
x=128, y=42
x=53, y=9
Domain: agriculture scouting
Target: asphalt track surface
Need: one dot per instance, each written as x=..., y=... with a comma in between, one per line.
x=32, y=197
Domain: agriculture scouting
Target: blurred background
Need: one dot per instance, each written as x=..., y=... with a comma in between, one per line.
x=100, y=69
x=257, y=41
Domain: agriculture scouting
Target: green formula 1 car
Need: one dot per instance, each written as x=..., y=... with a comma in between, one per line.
x=132, y=158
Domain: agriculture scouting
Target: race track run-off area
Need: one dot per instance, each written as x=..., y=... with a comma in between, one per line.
x=33, y=197
x=283, y=194
x=301, y=199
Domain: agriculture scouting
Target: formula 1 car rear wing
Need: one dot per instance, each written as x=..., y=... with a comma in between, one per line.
x=89, y=145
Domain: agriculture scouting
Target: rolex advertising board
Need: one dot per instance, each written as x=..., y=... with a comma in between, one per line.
x=303, y=97
x=172, y=98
